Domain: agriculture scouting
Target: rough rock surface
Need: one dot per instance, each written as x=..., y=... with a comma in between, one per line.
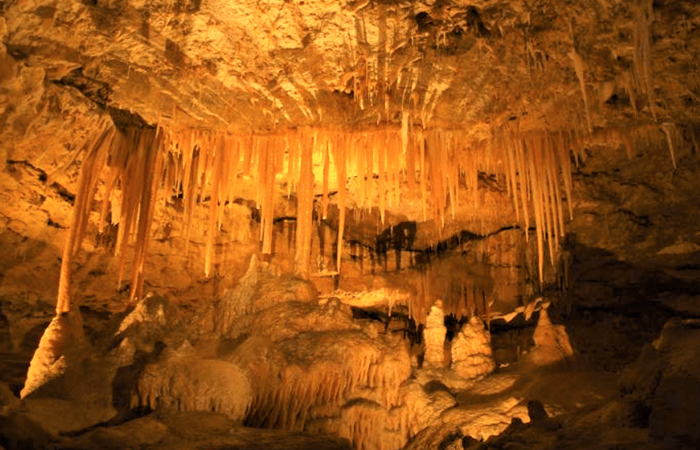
x=183, y=381
x=661, y=384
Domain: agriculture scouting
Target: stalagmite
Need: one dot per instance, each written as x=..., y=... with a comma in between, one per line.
x=552, y=343
x=434, y=337
x=472, y=355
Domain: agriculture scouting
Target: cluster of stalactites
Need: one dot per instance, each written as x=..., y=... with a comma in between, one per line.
x=387, y=163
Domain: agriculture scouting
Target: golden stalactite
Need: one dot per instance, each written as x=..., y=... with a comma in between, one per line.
x=326, y=175
x=96, y=151
x=388, y=164
x=380, y=145
x=340, y=152
x=305, y=204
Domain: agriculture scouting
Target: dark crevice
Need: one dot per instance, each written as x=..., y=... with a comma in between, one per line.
x=637, y=219
x=100, y=94
x=617, y=179
x=283, y=219
x=53, y=224
x=125, y=119
x=96, y=91
x=63, y=192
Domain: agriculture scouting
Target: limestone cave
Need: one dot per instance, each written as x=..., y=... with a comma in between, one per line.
x=351, y=224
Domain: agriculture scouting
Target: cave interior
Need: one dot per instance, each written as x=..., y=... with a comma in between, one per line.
x=352, y=224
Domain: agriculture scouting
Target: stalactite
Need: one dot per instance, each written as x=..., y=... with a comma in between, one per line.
x=224, y=165
x=450, y=170
x=305, y=203
x=128, y=193
x=340, y=153
x=95, y=157
x=267, y=184
x=512, y=173
x=669, y=130
x=326, y=170
x=524, y=183
x=537, y=204
x=189, y=185
x=547, y=207
x=644, y=16
x=423, y=175
x=581, y=75
x=555, y=188
x=411, y=164
x=106, y=201
x=397, y=165
x=564, y=163
x=218, y=176
x=380, y=142
x=535, y=166
x=361, y=168
x=405, y=151
x=150, y=162
x=369, y=171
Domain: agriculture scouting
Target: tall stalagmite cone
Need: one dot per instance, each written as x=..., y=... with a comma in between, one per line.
x=472, y=355
x=50, y=358
x=552, y=343
x=434, y=337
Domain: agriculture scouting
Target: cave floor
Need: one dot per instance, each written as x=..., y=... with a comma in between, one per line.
x=576, y=395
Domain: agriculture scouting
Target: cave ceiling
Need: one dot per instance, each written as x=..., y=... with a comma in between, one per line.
x=603, y=88
x=241, y=66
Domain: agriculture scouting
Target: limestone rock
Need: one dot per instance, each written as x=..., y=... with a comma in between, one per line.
x=131, y=435
x=287, y=320
x=424, y=407
x=260, y=288
x=675, y=410
x=472, y=355
x=434, y=336
x=343, y=382
x=182, y=381
x=479, y=421
x=8, y=401
x=666, y=381
x=212, y=430
x=17, y=431
x=154, y=319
